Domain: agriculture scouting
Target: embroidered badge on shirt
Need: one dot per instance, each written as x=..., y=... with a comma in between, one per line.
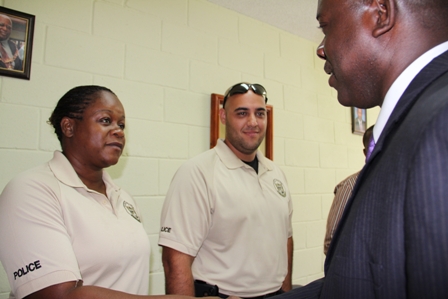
x=130, y=209
x=279, y=187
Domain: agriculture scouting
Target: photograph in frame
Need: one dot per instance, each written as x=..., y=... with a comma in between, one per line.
x=16, y=43
x=359, y=120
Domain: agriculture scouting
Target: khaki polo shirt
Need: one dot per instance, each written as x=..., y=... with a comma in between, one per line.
x=54, y=229
x=234, y=221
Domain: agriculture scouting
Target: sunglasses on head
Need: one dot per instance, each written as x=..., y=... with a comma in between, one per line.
x=241, y=88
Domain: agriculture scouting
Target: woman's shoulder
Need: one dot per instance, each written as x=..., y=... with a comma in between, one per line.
x=33, y=182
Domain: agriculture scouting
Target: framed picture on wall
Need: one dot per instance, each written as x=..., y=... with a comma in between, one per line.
x=16, y=43
x=359, y=120
x=217, y=130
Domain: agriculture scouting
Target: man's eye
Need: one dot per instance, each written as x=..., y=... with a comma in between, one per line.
x=4, y=25
x=321, y=26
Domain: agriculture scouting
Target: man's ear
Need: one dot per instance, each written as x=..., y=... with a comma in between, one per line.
x=385, y=11
x=222, y=115
x=67, y=126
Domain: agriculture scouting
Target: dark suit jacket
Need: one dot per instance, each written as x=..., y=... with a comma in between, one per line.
x=392, y=241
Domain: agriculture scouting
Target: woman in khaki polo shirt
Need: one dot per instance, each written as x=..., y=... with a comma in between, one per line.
x=66, y=230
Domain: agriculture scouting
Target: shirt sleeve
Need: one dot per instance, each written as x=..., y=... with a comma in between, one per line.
x=36, y=250
x=342, y=193
x=187, y=210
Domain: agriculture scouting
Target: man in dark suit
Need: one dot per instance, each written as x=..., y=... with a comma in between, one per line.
x=9, y=54
x=392, y=241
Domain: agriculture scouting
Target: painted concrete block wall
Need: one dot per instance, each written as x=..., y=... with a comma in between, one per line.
x=163, y=58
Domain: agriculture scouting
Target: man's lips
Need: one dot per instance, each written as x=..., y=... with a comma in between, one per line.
x=331, y=81
x=329, y=70
x=251, y=133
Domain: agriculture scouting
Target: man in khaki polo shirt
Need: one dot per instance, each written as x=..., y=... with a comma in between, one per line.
x=226, y=220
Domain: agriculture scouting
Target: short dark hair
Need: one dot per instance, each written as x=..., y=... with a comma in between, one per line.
x=367, y=135
x=72, y=105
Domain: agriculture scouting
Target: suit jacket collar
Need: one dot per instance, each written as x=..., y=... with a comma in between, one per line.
x=436, y=68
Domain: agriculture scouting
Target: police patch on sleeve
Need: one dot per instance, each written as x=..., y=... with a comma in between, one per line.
x=279, y=187
x=131, y=211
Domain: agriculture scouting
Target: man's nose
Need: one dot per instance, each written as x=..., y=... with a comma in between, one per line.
x=321, y=50
x=252, y=121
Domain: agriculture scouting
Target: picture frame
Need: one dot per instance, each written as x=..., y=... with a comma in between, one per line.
x=359, y=120
x=17, y=41
x=217, y=130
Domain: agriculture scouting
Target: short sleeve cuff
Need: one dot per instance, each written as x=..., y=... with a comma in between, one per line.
x=177, y=246
x=44, y=282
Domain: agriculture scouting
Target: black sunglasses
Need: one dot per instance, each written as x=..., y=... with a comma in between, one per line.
x=241, y=88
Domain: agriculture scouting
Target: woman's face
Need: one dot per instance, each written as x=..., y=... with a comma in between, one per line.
x=99, y=139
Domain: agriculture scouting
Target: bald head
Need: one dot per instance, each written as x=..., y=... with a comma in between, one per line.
x=5, y=27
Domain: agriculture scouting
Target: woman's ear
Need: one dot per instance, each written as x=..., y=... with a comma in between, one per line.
x=385, y=16
x=67, y=125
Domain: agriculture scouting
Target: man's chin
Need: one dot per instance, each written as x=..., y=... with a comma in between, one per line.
x=250, y=149
x=346, y=101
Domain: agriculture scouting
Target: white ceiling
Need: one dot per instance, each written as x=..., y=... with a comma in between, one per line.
x=295, y=16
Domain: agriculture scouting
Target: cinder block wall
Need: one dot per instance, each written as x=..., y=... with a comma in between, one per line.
x=163, y=58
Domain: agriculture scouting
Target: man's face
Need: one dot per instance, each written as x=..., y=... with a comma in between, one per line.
x=347, y=51
x=245, y=119
x=5, y=28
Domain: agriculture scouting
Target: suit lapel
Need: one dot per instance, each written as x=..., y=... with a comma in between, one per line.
x=436, y=68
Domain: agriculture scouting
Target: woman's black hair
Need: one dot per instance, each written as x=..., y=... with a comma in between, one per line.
x=72, y=105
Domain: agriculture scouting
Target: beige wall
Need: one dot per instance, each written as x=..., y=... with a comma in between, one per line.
x=164, y=58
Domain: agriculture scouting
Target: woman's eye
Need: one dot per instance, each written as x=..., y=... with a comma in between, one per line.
x=122, y=126
x=105, y=120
